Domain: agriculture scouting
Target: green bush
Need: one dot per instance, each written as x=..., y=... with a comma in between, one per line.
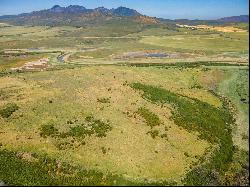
x=183, y=65
x=153, y=133
x=103, y=100
x=104, y=150
x=8, y=110
x=89, y=118
x=151, y=118
x=164, y=136
x=101, y=128
x=79, y=132
x=48, y=130
x=90, y=127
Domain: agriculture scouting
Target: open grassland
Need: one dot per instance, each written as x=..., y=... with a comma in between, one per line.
x=59, y=112
x=123, y=142
x=149, y=106
x=185, y=42
x=216, y=43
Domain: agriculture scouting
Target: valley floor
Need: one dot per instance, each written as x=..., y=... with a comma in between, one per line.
x=160, y=110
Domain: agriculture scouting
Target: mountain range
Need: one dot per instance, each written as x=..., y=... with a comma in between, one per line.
x=76, y=9
x=75, y=15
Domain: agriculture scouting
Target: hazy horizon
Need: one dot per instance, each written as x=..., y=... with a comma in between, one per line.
x=168, y=9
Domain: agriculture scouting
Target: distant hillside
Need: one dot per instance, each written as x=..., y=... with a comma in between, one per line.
x=75, y=15
x=235, y=19
x=221, y=21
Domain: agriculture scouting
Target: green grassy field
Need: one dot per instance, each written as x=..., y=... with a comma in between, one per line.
x=236, y=88
x=213, y=43
x=102, y=112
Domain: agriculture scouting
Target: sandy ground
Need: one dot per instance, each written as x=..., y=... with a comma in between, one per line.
x=220, y=29
x=41, y=64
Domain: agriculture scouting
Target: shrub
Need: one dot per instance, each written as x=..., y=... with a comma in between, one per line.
x=48, y=130
x=63, y=145
x=153, y=133
x=89, y=118
x=164, y=136
x=8, y=110
x=101, y=128
x=103, y=100
x=244, y=136
x=79, y=131
x=104, y=150
x=90, y=127
x=151, y=118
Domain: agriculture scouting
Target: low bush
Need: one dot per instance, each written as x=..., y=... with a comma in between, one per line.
x=151, y=118
x=183, y=65
x=153, y=133
x=79, y=131
x=48, y=130
x=164, y=136
x=8, y=110
x=103, y=100
x=90, y=127
x=104, y=150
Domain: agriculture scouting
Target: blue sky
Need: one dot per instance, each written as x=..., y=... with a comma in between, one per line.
x=172, y=9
